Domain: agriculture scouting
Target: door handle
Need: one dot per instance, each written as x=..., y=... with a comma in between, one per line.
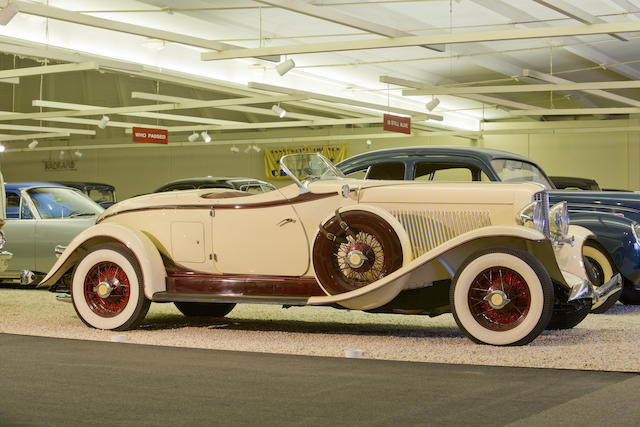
x=286, y=221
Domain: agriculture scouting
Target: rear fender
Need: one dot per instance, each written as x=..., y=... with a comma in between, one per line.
x=149, y=259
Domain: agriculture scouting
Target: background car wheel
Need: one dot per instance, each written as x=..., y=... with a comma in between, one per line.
x=375, y=252
x=204, y=309
x=630, y=296
x=569, y=316
x=502, y=296
x=107, y=289
x=600, y=270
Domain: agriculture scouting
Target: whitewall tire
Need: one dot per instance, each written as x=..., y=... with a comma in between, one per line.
x=106, y=289
x=502, y=296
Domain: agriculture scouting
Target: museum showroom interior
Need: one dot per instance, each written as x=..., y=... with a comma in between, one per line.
x=436, y=186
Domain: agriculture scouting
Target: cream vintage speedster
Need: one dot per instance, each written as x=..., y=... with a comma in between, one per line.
x=493, y=254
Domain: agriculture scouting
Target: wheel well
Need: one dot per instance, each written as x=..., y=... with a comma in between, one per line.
x=593, y=242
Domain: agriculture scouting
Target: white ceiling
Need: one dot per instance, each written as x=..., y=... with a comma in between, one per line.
x=355, y=74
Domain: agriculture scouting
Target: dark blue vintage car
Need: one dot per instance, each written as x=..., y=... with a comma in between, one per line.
x=614, y=217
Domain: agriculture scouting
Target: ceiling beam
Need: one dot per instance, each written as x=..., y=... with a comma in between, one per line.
x=108, y=24
x=468, y=37
x=241, y=108
x=481, y=98
x=11, y=80
x=601, y=93
x=575, y=111
x=48, y=69
x=576, y=13
x=332, y=15
x=46, y=129
x=347, y=101
x=439, y=90
x=148, y=108
x=33, y=136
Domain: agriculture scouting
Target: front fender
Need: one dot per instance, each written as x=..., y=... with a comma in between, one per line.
x=149, y=259
x=614, y=233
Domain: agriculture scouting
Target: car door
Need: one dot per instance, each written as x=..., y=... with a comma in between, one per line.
x=19, y=231
x=259, y=235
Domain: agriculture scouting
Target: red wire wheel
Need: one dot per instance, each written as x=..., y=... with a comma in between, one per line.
x=372, y=251
x=106, y=289
x=499, y=298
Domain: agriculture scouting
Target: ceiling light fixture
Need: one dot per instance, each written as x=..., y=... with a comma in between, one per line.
x=256, y=149
x=77, y=153
x=234, y=149
x=61, y=155
x=285, y=66
x=7, y=13
x=205, y=137
x=246, y=150
x=103, y=122
x=281, y=112
x=33, y=144
x=154, y=44
x=193, y=137
x=368, y=143
x=432, y=104
x=2, y=148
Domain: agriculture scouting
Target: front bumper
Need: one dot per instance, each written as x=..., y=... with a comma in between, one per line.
x=585, y=289
x=5, y=257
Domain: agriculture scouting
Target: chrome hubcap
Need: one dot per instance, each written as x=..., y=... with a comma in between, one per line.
x=497, y=299
x=104, y=289
x=356, y=258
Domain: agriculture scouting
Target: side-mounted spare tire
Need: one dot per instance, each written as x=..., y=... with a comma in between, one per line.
x=353, y=249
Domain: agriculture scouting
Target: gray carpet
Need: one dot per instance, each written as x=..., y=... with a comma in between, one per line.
x=50, y=381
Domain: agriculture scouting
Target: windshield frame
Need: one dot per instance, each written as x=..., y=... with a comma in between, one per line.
x=303, y=184
x=549, y=184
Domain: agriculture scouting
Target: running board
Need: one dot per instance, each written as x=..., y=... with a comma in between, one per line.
x=227, y=298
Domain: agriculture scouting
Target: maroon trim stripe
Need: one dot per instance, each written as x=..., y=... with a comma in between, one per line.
x=243, y=284
x=302, y=198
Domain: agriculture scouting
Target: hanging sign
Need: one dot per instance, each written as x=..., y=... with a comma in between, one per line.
x=153, y=136
x=397, y=123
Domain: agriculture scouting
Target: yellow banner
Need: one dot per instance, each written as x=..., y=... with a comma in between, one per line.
x=335, y=153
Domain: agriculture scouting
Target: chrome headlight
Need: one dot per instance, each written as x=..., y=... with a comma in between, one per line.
x=635, y=229
x=559, y=220
x=533, y=216
x=2, y=239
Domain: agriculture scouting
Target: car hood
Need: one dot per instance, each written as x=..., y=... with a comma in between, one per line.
x=618, y=202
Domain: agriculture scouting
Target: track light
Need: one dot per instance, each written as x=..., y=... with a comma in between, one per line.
x=368, y=143
x=193, y=137
x=103, y=122
x=234, y=149
x=61, y=155
x=2, y=148
x=246, y=150
x=205, y=137
x=7, y=13
x=77, y=153
x=33, y=144
x=286, y=66
x=256, y=149
x=279, y=110
x=432, y=104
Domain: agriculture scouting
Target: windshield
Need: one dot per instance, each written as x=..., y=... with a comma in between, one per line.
x=101, y=195
x=309, y=166
x=517, y=171
x=54, y=202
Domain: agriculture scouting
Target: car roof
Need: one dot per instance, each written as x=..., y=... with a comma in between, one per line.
x=485, y=154
x=17, y=186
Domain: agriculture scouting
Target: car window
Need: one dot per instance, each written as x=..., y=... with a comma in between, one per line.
x=13, y=205
x=178, y=187
x=359, y=174
x=386, y=171
x=25, y=212
x=510, y=170
x=60, y=202
x=101, y=195
x=437, y=172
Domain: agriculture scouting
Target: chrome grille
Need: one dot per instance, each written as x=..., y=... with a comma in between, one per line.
x=543, y=197
x=429, y=229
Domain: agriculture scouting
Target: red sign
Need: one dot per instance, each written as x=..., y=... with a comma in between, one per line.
x=153, y=136
x=397, y=123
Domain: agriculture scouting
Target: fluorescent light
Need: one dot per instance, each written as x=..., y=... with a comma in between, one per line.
x=234, y=149
x=102, y=123
x=7, y=13
x=205, y=137
x=286, y=66
x=279, y=110
x=432, y=104
x=33, y=144
x=154, y=44
x=193, y=137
